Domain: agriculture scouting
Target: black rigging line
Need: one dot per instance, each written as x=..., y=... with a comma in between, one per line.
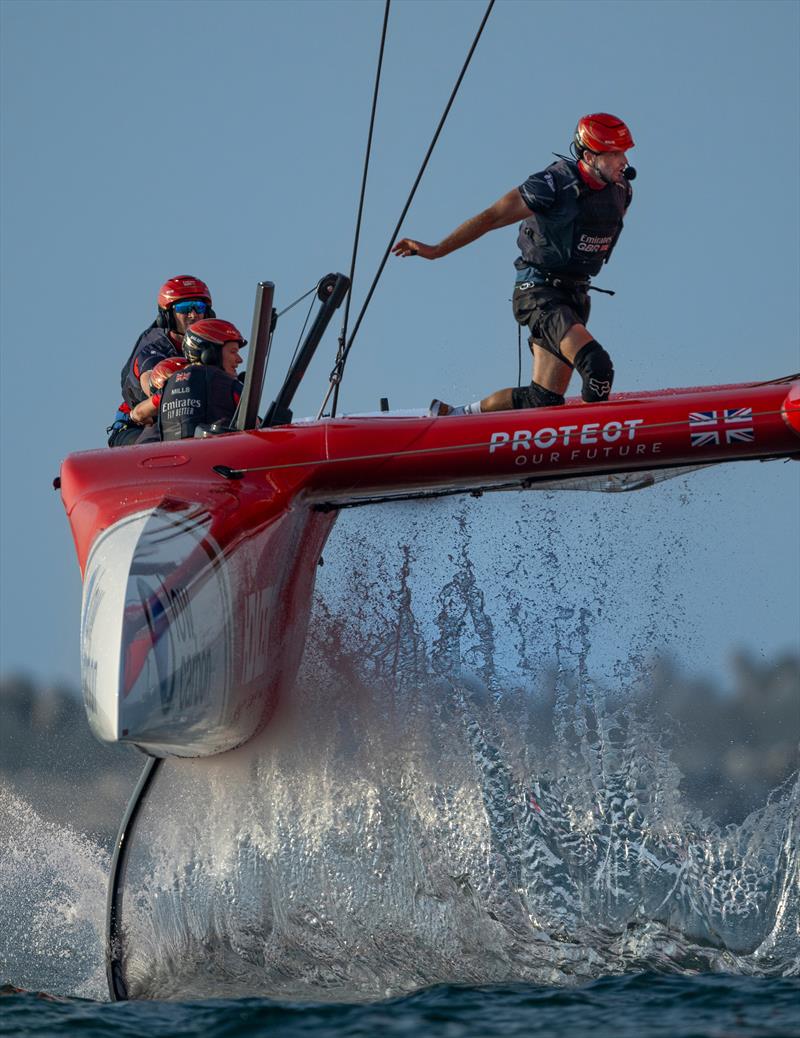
x=115, y=947
x=340, y=355
x=299, y=299
x=291, y=306
x=305, y=324
x=338, y=371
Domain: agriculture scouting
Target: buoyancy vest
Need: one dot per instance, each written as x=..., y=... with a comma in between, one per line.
x=152, y=346
x=577, y=231
x=197, y=395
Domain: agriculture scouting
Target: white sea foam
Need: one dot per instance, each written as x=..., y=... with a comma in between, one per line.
x=467, y=787
x=52, y=912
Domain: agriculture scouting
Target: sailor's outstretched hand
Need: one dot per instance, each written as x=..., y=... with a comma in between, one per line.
x=409, y=247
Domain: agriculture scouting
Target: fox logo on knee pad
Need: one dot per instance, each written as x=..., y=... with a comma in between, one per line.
x=601, y=389
x=594, y=366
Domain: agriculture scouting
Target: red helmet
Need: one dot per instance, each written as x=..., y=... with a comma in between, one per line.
x=162, y=371
x=184, y=286
x=602, y=132
x=203, y=342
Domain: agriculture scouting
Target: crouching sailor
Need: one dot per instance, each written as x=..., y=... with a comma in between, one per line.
x=199, y=389
x=182, y=301
x=571, y=216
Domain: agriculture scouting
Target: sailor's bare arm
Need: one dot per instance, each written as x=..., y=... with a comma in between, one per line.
x=506, y=210
x=144, y=413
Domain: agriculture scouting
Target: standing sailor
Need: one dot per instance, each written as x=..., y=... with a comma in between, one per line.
x=572, y=215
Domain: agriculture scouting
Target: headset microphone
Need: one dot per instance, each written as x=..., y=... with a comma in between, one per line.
x=629, y=173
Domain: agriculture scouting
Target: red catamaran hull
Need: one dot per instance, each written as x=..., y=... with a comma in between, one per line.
x=199, y=557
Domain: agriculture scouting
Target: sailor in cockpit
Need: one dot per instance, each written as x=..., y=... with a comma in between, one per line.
x=182, y=301
x=199, y=390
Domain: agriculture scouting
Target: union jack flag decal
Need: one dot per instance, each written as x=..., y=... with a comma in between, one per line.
x=712, y=428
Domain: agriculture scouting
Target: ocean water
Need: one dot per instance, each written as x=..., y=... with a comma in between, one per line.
x=469, y=820
x=637, y=1004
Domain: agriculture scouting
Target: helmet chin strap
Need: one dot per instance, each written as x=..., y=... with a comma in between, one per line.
x=592, y=168
x=598, y=172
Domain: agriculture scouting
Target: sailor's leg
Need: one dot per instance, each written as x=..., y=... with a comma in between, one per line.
x=573, y=342
x=550, y=379
x=591, y=361
x=556, y=320
x=534, y=395
x=552, y=372
x=511, y=399
x=553, y=364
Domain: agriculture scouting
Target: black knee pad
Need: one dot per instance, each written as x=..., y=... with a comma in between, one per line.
x=594, y=366
x=535, y=395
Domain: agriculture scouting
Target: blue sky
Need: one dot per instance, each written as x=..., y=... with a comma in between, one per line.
x=141, y=140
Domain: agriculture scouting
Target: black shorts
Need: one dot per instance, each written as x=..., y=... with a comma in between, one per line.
x=550, y=312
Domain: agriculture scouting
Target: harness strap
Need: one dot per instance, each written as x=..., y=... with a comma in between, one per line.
x=567, y=284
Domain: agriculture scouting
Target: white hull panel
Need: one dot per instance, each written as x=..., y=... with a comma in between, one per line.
x=156, y=632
